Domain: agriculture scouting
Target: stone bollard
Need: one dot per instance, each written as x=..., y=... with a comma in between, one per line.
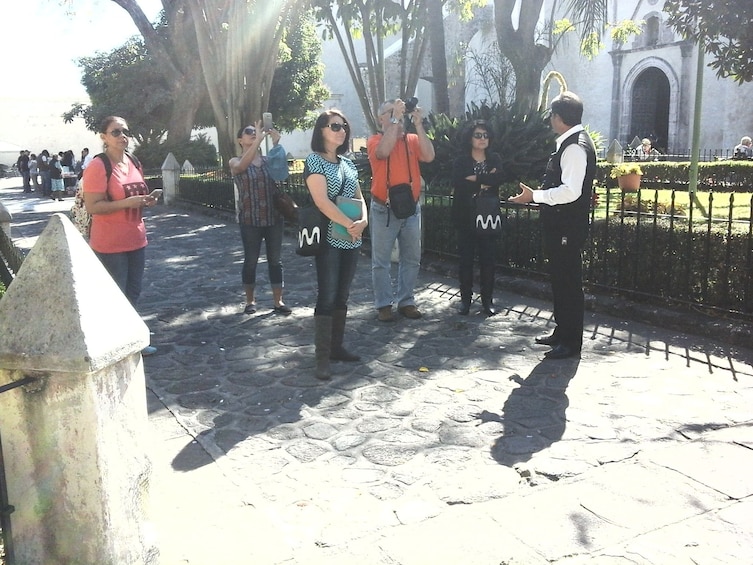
x=5, y=219
x=76, y=469
x=170, y=178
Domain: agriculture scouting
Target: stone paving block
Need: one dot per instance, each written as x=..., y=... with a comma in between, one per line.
x=724, y=467
x=723, y=537
x=641, y=497
x=551, y=521
x=461, y=536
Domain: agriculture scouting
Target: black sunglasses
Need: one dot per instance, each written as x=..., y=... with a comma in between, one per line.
x=117, y=132
x=249, y=131
x=480, y=135
x=337, y=127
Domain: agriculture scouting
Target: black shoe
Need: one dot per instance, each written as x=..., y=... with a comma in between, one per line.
x=465, y=307
x=488, y=308
x=561, y=351
x=547, y=340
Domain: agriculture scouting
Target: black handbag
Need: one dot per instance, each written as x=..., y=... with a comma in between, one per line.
x=312, y=228
x=487, y=215
x=285, y=205
x=311, y=231
x=400, y=196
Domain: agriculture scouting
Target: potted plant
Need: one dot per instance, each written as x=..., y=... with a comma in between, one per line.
x=628, y=175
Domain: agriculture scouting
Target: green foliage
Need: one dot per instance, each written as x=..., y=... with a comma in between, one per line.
x=523, y=140
x=200, y=152
x=125, y=82
x=298, y=84
x=719, y=176
x=2, y=289
x=723, y=27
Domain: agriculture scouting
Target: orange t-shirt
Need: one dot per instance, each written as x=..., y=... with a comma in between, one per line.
x=398, y=162
x=123, y=230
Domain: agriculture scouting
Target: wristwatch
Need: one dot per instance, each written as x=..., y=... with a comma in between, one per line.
x=394, y=120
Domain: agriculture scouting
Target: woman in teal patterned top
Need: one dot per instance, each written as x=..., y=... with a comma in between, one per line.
x=328, y=174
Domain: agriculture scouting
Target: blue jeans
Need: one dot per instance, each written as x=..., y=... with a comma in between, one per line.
x=252, y=236
x=335, y=269
x=127, y=270
x=407, y=232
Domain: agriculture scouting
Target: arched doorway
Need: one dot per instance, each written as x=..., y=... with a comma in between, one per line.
x=649, y=112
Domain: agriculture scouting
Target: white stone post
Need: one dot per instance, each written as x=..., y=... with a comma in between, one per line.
x=73, y=440
x=170, y=178
x=5, y=219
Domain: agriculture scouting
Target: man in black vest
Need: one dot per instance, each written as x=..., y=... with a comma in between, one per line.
x=565, y=200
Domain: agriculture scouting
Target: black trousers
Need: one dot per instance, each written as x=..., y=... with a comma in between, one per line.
x=470, y=244
x=566, y=274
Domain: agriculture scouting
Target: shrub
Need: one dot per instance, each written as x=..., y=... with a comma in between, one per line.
x=200, y=152
x=523, y=140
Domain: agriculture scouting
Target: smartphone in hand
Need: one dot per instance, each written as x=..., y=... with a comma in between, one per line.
x=156, y=193
x=267, y=121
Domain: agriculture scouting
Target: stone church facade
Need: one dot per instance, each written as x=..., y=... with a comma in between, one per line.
x=646, y=87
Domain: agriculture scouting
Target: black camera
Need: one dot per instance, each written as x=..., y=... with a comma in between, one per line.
x=411, y=104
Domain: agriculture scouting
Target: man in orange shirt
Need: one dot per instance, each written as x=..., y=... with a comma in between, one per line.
x=394, y=156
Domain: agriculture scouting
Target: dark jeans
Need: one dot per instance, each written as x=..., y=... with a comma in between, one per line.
x=335, y=269
x=127, y=270
x=252, y=236
x=566, y=272
x=470, y=244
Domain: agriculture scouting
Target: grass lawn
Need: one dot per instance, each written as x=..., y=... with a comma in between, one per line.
x=740, y=203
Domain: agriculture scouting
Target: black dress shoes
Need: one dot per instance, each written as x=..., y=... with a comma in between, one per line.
x=561, y=351
x=547, y=340
x=488, y=308
x=465, y=307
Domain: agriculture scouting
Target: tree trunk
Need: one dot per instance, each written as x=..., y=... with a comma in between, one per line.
x=519, y=46
x=238, y=48
x=438, y=59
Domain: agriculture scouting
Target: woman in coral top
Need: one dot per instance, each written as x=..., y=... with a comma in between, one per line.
x=118, y=234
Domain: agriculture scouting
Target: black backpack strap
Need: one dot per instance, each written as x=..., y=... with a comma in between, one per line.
x=108, y=164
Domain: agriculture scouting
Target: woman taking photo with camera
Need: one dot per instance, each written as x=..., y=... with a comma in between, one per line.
x=255, y=177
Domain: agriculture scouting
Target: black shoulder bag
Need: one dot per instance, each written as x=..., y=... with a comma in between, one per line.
x=312, y=227
x=400, y=196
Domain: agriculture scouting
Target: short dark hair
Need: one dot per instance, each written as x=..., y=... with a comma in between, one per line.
x=466, y=134
x=317, y=139
x=569, y=107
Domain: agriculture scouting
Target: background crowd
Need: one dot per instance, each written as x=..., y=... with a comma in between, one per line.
x=53, y=175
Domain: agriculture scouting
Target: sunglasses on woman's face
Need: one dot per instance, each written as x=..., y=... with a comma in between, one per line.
x=480, y=135
x=250, y=131
x=117, y=132
x=334, y=126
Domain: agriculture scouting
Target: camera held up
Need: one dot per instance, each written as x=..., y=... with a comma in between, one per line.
x=411, y=104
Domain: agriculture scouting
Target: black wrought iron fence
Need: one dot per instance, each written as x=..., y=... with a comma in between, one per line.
x=698, y=253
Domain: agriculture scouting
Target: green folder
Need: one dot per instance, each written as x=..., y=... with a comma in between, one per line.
x=351, y=207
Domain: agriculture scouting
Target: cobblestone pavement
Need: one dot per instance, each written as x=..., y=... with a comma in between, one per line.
x=452, y=441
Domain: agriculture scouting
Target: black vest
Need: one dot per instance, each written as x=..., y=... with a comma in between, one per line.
x=571, y=218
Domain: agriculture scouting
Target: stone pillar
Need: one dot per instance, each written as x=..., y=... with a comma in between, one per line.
x=76, y=469
x=170, y=178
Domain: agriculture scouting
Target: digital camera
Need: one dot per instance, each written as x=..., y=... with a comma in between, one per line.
x=411, y=104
